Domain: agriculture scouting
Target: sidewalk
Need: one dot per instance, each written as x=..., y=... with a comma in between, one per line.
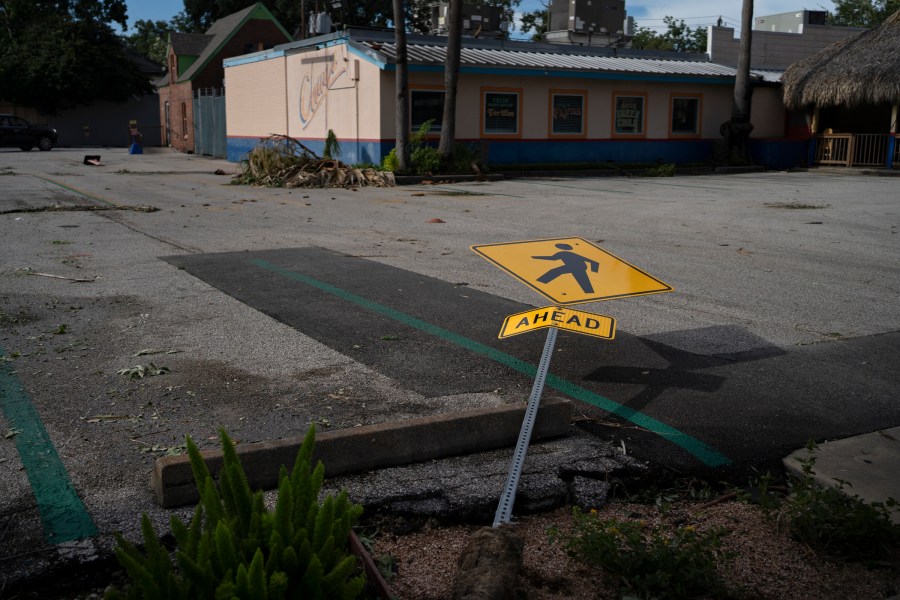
x=868, y=463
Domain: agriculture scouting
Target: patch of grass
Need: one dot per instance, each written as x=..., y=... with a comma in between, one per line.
x=665, y=170
x=650, y=561
x=837, y=524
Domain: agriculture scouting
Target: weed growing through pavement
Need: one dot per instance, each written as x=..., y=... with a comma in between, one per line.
x=650, y=561
x=663, y=170
x=838, y=524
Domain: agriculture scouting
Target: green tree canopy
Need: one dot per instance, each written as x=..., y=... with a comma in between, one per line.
x=198, y=15
x=60, y=53
x=150, y=39
x=678, y=37
x=536, y=21
x=862, y=13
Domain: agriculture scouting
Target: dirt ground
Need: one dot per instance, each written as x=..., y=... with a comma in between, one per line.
x=768, y=563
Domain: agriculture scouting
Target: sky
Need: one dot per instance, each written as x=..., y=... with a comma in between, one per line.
x=647, y=13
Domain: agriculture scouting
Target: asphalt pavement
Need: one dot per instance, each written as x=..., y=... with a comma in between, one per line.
x=265, y=310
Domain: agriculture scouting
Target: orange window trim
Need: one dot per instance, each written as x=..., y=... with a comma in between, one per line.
x=519, y=105
x=584, y=110
x=693, y=134
x=623, y=94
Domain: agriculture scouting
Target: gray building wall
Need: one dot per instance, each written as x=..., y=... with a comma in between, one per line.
x=109, y=123
x=771, y=49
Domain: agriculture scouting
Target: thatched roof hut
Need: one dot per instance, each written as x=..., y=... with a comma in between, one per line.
x=863, y=69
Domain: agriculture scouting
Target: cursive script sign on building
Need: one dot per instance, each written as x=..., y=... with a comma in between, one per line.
x=324, y=73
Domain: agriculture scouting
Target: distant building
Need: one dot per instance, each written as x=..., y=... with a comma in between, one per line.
x=195, y=69
x=778, y=40
x=518, y=102
x=792, y=22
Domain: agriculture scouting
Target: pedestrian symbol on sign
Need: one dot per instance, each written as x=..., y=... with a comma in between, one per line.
x=573, y=264
x=571, y=270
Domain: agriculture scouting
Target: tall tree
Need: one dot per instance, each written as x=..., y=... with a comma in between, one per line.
x=737, y=130
x=60, y=53
x=150, y=39
x=678, y=36
x=537, y=21
x=451, y=80
x=402, y=87
x=862, y=13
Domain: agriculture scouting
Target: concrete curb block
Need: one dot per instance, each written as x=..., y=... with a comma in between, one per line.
x=868, y=462
x=371, y=447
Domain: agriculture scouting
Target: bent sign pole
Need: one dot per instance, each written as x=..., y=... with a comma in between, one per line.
x=504, y=509
x=567, y=271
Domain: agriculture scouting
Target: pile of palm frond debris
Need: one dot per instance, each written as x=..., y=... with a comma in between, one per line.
x=282, y=161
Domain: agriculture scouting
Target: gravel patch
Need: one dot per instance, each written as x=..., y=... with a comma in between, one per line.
x=768, y=564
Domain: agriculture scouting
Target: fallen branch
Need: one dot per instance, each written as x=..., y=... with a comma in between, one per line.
x=282, y=161
x=58, y=208
x=72, y=279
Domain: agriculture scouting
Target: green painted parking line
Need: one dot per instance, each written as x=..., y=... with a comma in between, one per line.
x=62, y=512
x=701, y=451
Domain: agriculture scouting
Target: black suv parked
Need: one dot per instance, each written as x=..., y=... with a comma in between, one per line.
x=16, y=132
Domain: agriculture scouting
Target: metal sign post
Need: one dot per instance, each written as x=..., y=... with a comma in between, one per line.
x=504, y=509
x=567, y=271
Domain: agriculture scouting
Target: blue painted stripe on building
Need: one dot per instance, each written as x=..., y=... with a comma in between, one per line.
x=712, y=79
x=357, y=52
x=252, y=58
x=774, y=154
x=352, y=151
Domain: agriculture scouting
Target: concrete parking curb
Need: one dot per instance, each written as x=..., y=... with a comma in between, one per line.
x=370, y=447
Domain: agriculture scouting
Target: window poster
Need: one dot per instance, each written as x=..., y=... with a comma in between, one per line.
x=629, y=114
x=568, y=113
x=501, y=112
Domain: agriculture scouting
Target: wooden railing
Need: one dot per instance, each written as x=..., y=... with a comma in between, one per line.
x=855, y=149
x=834, y=149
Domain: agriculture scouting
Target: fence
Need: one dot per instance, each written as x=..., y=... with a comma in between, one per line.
x=209, y=122
x=855, y=149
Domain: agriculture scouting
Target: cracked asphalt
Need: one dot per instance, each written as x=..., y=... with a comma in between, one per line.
x=784, y=327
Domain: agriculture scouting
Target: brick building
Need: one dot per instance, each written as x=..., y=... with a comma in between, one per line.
x=194, y=63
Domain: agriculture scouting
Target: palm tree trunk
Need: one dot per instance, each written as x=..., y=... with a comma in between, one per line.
x=737, y=130
x=451, y=80
x=402, y=87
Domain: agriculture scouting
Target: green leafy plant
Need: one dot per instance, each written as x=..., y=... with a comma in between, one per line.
x=235, y=548
x=664, y=170
x=332, y=149
x=649, y=561
x=838, y=524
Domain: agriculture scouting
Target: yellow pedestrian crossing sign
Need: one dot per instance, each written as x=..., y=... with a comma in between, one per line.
x=571, y=270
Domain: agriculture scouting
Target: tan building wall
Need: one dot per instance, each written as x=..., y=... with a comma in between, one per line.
x=306, y=94
x=257, y=98
x=333, y=89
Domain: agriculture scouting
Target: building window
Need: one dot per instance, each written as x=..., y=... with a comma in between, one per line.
x=629, y=114
x=426, y=105
x=685, y=115
x=173, y=72
x=184, y=123
x=566, y=113
x=500, y=113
